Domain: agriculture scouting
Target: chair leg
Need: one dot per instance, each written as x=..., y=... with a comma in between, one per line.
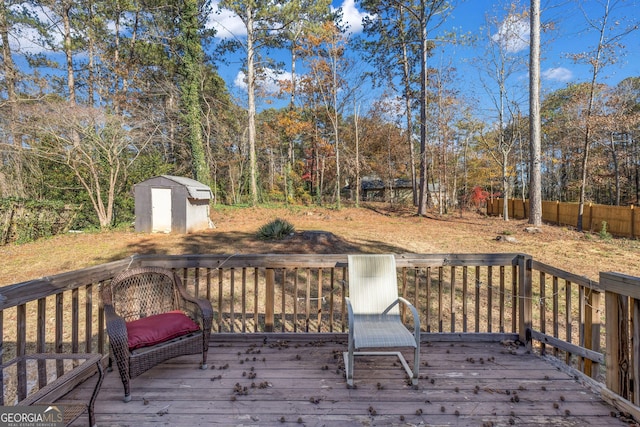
x=204, y=359
x=123, y=370
x=349, y=362
x=416, y=365
x=127, y=390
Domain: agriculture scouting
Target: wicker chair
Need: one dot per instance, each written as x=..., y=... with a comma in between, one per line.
x=374, y=315
x=150, y=319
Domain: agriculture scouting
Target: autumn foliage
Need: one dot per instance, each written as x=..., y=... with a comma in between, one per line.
x=479, y=196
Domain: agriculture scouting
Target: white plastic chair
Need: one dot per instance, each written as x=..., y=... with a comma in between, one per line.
x=374, y=315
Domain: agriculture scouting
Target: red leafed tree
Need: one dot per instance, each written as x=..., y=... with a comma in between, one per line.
x=479, y=196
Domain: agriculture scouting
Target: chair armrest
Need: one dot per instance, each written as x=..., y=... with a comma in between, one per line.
x=349, y=314
x=117, y=331
x=200, y=308
x=414, y=312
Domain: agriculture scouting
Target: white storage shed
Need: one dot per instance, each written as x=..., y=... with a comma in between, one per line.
x=171, y=204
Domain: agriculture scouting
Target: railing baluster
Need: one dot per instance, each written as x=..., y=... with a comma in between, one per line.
x=514, y=299
x=477, y=300
x=21, y=330
x=256, y=309
x=331, y=294
x=41, y=341
x=465, y=312
x=41, y=333
x=244, y=299
x=295, y=300
x=59, y=328
x=283, y=303
x=543, y=309
x=503, y=308
x=220, y=299
x=452, y=299
x=319, y=299
x=490, y=298
x=208, y=279
x=567, y=318
x=427, y=312
x=556, y=313
x=88, y=316
x=232, y=299
x=343, y=306
x=307, y=311
x=581, y=324
x=75, y=307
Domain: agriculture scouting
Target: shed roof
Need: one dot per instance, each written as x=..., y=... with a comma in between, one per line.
x=196, y=189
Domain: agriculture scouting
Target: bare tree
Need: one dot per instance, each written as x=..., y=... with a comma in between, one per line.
x=96, y=146
x=609, y=38
x=501, y=62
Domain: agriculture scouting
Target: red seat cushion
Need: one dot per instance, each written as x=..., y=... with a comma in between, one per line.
x=159, y=328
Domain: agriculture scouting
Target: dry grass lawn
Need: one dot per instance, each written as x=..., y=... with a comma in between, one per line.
x=374, y=228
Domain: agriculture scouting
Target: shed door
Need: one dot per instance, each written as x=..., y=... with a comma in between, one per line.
x=161, y=210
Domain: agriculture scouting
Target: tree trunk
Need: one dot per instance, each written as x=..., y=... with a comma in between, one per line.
x=192, y=69
x=535, y=176
x=357, y=184
x=251, y=88
x=616, y=167
x=422, y=200
x=9, y=69
x=595, y=63
x=66, y=19
x=406, y=79
x=505, y=187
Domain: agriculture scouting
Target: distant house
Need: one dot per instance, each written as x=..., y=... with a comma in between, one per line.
x=400, y=190
x=171, y=204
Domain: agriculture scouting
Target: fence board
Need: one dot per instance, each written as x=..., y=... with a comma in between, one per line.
x=620, y=221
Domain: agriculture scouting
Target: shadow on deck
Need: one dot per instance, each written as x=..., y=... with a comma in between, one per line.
x=257, y=381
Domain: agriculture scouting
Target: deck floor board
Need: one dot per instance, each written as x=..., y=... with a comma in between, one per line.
x=285, y=383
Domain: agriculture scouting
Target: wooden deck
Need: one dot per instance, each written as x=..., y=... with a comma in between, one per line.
x=299, y=381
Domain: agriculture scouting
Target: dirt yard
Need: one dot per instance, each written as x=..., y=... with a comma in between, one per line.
x=371, y=229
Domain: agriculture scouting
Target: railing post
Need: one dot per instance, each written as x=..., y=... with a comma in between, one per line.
x=616, y=358
x=592, y=331
x=269, y=299
x=525, y=300
x=622, y=303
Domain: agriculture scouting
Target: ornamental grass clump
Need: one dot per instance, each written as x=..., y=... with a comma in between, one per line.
x=275, y=230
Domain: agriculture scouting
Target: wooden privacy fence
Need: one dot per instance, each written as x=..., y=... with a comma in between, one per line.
x=623, y=221
x=590, y=326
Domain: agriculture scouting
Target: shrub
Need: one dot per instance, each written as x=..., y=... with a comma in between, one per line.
x=275, y=230
x=604, y=233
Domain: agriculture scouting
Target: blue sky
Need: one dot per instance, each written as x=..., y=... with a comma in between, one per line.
x=567, y=34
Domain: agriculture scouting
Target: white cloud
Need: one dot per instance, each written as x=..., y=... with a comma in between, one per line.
x=268, y=81
x=227, y=24
x=513, y=34
x=26, y=39
x=559, y=74
x=351, y=16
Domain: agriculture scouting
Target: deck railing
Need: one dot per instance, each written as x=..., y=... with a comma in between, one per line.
x=459, y=297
